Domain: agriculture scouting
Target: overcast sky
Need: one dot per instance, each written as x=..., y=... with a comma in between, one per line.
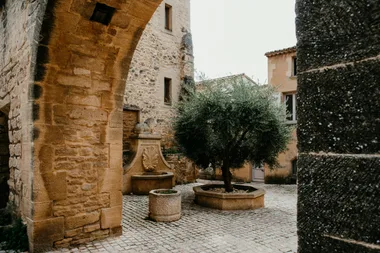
x=232, y=36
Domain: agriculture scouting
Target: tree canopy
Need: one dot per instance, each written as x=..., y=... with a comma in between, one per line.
x=231, y=123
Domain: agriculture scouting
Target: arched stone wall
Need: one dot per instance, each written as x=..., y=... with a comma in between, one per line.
x=78, y=69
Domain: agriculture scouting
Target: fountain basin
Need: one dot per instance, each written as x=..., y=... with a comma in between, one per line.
x=143, y=183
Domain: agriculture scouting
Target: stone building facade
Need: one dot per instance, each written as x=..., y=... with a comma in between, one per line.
x=62, y=81
x=63, y=72
x=282, y=75
x=163, y=57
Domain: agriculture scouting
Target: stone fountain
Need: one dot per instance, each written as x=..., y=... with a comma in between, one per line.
x=148, y=170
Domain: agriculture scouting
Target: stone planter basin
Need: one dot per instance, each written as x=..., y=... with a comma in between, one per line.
x=164, y=205
x=143, y=183
x=229, y=201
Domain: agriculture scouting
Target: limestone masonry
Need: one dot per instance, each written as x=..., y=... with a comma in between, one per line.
x=160, y=54
x=64, y=68
x=63, y=73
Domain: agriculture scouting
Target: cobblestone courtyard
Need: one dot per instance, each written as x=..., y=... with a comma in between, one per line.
x=204, y=230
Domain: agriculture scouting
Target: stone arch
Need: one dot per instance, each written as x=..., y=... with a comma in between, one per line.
x=78, y=88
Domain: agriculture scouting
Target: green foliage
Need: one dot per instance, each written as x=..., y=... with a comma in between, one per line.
x=170, y=151
x=168, y=191
x=128, y=156
x=14, y=237
x=5, y=217
x=231, y=123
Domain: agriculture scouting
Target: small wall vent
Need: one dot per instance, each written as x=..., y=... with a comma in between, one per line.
x=102, y=13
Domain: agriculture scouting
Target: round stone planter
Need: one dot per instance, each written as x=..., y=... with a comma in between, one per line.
x=229, y=201
x=164, y=205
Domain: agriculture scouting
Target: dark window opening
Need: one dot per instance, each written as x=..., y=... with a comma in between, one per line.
x=294, y=167
x=294, y=66
x=102, y=14
x=167, y=91
x=168, y=17
x=291, y=106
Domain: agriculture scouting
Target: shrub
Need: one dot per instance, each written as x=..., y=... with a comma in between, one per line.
x=15, y=237
x=5, y=217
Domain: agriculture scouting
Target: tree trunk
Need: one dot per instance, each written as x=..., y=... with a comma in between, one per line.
x=227, y=178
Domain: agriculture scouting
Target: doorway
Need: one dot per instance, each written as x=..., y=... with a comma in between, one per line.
x=258, y=173
x=4, y=160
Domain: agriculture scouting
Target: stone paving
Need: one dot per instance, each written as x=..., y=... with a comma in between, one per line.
x=204, y=230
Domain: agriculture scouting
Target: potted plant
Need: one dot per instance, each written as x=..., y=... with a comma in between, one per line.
x=164, y=205
x=231, y=123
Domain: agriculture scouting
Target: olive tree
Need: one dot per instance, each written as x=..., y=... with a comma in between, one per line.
x=229, y=124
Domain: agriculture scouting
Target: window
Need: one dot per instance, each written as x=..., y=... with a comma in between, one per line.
x=102, y=14
x=168, y=91
x=294, y=66
x=168, y=17
x=291, y=106
x=294, y=167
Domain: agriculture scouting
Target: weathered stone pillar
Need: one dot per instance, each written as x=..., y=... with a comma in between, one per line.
x=338, y=125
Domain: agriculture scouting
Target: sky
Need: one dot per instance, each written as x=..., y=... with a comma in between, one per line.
x=232, y=36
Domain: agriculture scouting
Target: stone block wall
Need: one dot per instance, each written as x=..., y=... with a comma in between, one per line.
x=338, y=125
x=19, y=27
x=62, y=86
x=185, y=171
x=161, y=53
x=130, y=119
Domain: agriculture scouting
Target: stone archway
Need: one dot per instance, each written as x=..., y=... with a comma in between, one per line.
x=80, y=75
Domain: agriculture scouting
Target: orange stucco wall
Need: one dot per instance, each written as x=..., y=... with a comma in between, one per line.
x=280, y=76
x=285, y=159
x=243, y=174
x=280, y=72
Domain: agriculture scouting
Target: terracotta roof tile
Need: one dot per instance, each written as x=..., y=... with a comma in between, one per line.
x=227, y=78
x=281, y=51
